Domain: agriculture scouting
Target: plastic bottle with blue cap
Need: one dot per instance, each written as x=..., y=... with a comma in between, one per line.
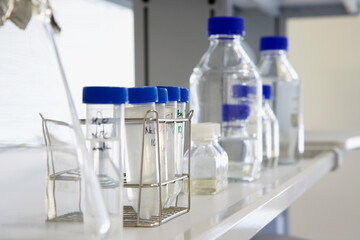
x=160, y=108
x=287, y=103
x=172, y=162
x=181, y=113
x=274, y=128
x=224, y=65
x=105, y=135
x=141, y=100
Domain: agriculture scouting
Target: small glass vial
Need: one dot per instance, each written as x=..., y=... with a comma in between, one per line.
x=141, y=100
x=104, y=133
x=174, y=170
x=209, y=161
x=160, y=108
x=274, y=125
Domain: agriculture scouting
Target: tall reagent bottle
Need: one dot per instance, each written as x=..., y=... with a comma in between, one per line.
x=224, y=65
x=238, y=142
x=274, y=128
x=277, y=71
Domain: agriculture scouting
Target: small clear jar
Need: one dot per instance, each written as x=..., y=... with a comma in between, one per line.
x=160, y=108
x=174, y=168
x=141, y=100
x=209, y=161
x=104, y=134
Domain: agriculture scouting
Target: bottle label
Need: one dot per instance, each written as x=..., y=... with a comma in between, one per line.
x=287, y=107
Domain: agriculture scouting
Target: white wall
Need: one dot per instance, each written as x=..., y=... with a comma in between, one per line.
x=325, y=53
x=97, y=48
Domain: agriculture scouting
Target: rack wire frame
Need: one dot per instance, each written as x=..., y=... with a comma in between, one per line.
x=53, y=176
x=131, y=218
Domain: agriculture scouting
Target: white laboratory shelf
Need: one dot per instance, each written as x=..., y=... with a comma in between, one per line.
x=244, y=208
x=345, y=140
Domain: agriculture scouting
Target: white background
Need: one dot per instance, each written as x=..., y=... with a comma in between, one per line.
x=325, y=53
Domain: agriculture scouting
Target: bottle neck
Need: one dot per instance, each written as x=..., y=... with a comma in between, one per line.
x=229, y=39
x=205, y=141
x=278, y=52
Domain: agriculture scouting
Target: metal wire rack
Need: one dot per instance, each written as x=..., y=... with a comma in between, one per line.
x=131, y=217
x=56, y=176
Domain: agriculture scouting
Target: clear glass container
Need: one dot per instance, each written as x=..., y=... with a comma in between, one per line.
x=267, y=140
x=224, y=65
x=49, y=190
x=161, y=109
x=209, y=161
x=105, y=137
x=274, y=124
x=141, y=100
x=174, y=168
x=287, y=103
x=241, y=145
x=181, y=133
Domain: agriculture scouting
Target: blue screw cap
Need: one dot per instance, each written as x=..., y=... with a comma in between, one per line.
x=273, y=43
x=163, y=95
x=173, y=93
x=143, y=95
x=267, y=92
x=105, y=95
x=184, y=95
x=226, y=26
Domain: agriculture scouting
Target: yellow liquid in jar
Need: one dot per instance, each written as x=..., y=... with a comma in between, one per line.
x=201, y=186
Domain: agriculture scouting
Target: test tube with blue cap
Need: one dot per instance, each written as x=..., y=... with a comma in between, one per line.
x=142, y=161
x=173, y=170
x=104, y=133
x=160, y=108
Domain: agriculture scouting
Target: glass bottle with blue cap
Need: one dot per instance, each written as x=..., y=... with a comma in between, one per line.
x=277, y=71
x=239, y=141
x=141, y=100
x=105, y=135
x=267, y=95
x=267, y=134
x=224, y=65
